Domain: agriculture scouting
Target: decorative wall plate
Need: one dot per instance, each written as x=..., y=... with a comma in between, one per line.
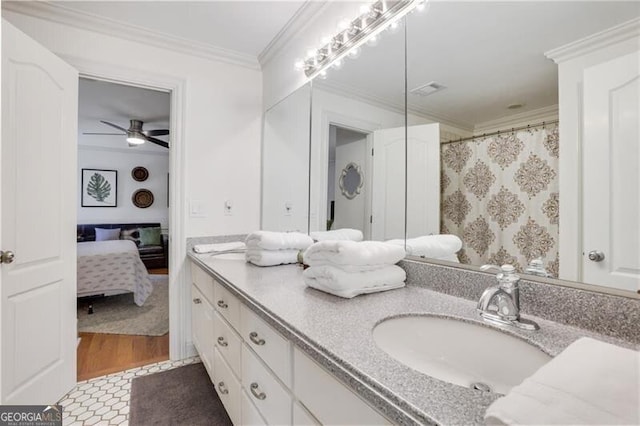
x=140, y=174
x=142, y=198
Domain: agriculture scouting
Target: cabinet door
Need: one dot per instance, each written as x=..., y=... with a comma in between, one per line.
x=202, y=327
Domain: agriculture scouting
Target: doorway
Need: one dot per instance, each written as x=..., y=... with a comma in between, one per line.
x=123, y=141
x=347, y=191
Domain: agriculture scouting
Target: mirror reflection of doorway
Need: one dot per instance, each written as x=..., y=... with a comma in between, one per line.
x=348, y=151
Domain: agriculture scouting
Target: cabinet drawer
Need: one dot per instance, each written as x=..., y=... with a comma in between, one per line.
x=203, y=281
x=326, y=398
x=228, y=343
x=269, y=396
x=228, y=305
x=228, y=388
x=301, y=416
x=202, y=327
x=249, y=413
x=274, y=349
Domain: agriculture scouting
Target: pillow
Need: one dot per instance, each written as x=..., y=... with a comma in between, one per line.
x=107, y=234
x=132, y=234
x=150, y=236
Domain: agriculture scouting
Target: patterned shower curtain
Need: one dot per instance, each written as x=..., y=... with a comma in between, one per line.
x=500, y=196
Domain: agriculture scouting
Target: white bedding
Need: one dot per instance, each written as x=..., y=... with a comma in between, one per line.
x=112, y=267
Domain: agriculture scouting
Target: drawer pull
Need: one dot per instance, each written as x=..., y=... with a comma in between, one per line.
x=255, y=339
x=223, y=388
x=197, y=301
x=222, y=304
x=222, y=342
x=258, y=394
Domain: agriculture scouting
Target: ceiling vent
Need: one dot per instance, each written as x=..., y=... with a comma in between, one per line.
x=428, y=89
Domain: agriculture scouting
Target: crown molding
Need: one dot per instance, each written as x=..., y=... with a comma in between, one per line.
x=366, y=97
x=294, y=26
x=95, y=23
x=629, y=30
x=548, y=113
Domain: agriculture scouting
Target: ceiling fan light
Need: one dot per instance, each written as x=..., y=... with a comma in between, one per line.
x=135, y=138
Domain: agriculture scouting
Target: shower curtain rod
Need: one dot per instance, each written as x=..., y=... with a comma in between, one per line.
x=498, y=132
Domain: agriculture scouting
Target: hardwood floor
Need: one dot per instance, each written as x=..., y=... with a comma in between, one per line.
x=100, y=354
x=159, y=271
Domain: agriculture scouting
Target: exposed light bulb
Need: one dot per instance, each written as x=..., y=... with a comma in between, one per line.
x=364, y=9
x=354, y=53
x=299, y=65
x=325, y=40
x=337, y=64
x=322, y=75
x=421, y=6
x=311, y=53
x=343, y=24
x=393, y=27
x=373, y=40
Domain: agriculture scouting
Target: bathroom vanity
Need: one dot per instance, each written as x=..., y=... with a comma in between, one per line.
x=280, y=353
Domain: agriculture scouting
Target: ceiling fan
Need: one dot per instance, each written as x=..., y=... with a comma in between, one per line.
x=135, y=134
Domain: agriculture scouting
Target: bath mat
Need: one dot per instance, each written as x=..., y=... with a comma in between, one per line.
x=182, y=396
x=119, y=315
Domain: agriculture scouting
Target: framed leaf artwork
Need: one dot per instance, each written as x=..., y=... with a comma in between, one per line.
x=99, y=188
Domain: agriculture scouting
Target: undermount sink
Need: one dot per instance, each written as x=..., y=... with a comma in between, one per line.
x=458, y=352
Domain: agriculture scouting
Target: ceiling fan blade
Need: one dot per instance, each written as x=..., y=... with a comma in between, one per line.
x=113, y=125
x=157, y=141
x=158, y=132
x=103, y=134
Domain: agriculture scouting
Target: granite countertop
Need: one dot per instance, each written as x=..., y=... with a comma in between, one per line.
x=337, y=333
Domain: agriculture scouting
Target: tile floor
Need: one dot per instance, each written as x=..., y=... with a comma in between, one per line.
x=105, y=400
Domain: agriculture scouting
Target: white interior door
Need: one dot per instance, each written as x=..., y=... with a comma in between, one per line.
x=423, y=180
x=38, y=220
x=611, y=179
x=388, y=188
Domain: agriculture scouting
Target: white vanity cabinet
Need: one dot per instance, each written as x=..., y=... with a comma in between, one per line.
x=260, y=377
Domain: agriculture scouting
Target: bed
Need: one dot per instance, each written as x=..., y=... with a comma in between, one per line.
x=112, y=267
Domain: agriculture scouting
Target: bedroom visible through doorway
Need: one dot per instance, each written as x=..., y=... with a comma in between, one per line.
x=123, y=227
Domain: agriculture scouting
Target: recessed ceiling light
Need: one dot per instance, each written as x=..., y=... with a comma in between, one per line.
x=515, y=106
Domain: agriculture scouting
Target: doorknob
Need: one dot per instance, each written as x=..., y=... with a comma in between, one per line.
x=596, y=256
x=6, y=256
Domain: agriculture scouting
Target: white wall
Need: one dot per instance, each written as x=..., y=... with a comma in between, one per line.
x=124, y=161
x=222, y=116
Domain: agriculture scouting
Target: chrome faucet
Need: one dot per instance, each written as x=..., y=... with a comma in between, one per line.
x=500, y=304
x=536, y=267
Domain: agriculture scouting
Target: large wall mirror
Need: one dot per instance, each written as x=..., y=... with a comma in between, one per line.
x=285, y=163
x=450, y=126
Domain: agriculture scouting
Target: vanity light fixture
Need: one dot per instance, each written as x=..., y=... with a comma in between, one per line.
x=352, y=34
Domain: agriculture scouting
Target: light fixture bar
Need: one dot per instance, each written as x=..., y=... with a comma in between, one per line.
x=373, y=21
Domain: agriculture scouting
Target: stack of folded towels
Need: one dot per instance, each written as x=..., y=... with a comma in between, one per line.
x=350, y=268
x=589, y=383
x=338, y=234
x=266, y=248
x=442, y=247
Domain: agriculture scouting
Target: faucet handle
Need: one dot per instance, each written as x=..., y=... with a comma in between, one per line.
x=491, y=267
x=505, y=269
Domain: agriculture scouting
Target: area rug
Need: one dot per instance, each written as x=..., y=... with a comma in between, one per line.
x=120, y=315
x=182, y=396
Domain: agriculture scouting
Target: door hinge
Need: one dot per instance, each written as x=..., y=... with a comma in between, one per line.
x=372, y=152
x=370, y=219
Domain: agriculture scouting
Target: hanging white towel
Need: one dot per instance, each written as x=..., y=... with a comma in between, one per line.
x=371, y=253
x=350, y=284
x=589, y=383
x=269, y=240
x=271, y=257
x=443, y=247
x=338, y=234
x=212, y=248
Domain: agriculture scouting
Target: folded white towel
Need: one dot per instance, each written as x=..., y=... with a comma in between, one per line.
x=349, y=284
x=278, y=240
x=271, y=257
x=338, y=234
x=589, y=383
x=443, y=247
x=353, y=253
x=211, y=248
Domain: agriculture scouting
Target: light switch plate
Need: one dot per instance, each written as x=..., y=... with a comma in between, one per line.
x=197, y=208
